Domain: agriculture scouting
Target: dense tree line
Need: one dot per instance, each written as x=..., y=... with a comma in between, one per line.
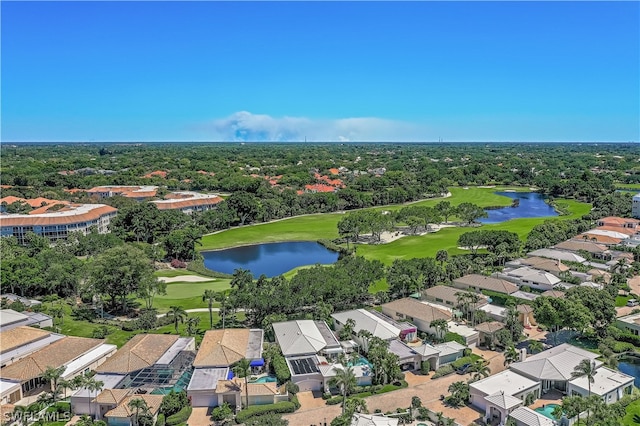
x=412, y=171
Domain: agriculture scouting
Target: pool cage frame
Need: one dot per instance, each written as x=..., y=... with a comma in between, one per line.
x=157, y=376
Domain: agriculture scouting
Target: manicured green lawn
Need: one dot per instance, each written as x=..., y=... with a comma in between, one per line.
x=632, y=418
x=628, y=185
x=318, y=226
x=622, y=300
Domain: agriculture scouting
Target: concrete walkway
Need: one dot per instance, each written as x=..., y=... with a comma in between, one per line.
x=428, y=390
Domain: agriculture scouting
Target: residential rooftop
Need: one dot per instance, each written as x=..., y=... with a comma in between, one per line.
x=304, y=337
x=605, y=380
x=143, y=350
x=510, y=382
x=223, y=348
x=55, y=355
x=412, y=308
x=485, y=283
x=556, y=363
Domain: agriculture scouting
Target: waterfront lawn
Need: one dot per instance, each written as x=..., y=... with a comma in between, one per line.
x=632, y=418
x=318, y=226
x=187, y=294
x=301, y=228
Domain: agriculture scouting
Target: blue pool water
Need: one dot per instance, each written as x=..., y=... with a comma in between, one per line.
x=547, y=410
x=632, y=368
x=266, y=379
x=531, y=205
x=270, y=259
x=361, y=361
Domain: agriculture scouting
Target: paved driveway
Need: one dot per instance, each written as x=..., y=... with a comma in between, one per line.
x=425, y=388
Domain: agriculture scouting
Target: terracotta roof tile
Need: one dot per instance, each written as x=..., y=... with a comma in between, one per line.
x=222, y=348
x=55, y=355
x=143, y=350
x=123, y=409
x=112, y=396
x=19, y=336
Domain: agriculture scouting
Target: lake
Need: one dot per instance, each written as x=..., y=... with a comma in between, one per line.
x=531, y=205
x=631, y=368
x=270, y=259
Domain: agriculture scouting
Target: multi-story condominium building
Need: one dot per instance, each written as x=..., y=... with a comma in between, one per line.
x=57, y=220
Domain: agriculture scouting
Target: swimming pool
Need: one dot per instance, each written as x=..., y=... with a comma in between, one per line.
x=361, y=361
x=266, y=379
x=547, y=410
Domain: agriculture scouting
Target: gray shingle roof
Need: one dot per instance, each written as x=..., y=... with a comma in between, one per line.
x=485, y=283
x=502, y=400
x=554, y=364
x=302, y=337
x=366, y=321
x=530, y=418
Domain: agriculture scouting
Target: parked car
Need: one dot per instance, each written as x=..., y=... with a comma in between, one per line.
x=463, y=369
x=632, y=302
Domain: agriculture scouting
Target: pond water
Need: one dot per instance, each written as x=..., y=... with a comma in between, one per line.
x=270, y=259
x=531, y=205
x=632, y=368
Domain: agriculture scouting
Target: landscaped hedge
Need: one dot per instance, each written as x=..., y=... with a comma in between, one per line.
x=179, y=417
x=258, y=410
x=198, y=267
x=280, y=368
x=443, y=371
x=464, y=360
x=334, y=400
x=160, y=420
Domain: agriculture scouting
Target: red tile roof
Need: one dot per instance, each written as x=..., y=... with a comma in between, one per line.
x=158, y=173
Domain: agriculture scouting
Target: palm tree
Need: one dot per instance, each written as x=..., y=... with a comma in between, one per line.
x=243, y=369
x=22, y=413
x=442, y=256
x=93, y=385
x=178, y=314
x=480, y=368
x=53, y=375
x=138, y=404
x=585, y=368
x=535, y=346
x=192, y=325
x=210, y=297
x=221, y=297
x=459, y=393
x=364, y=336
x=473, y=298
x=345, y=380
x=511, y=355
x=441, y=327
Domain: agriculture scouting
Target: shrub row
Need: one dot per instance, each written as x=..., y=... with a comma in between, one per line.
x=198, y=267
x=179, y=417
x=160, y=420
x=462, y=361
x=334, y=247
x=258, y=410
x=443, y=371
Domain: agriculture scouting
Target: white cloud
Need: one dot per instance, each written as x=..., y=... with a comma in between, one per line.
x=245, y=126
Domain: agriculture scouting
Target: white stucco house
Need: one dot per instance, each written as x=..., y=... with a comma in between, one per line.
x=500, y=394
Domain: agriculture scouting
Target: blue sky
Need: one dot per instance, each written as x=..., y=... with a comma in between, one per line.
x=334, y=71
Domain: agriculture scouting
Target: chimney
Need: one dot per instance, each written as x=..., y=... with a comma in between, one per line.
x=523, y=354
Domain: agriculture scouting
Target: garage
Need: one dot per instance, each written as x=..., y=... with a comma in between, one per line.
x=202, y=386
x=203, y=399
x=310, y=385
